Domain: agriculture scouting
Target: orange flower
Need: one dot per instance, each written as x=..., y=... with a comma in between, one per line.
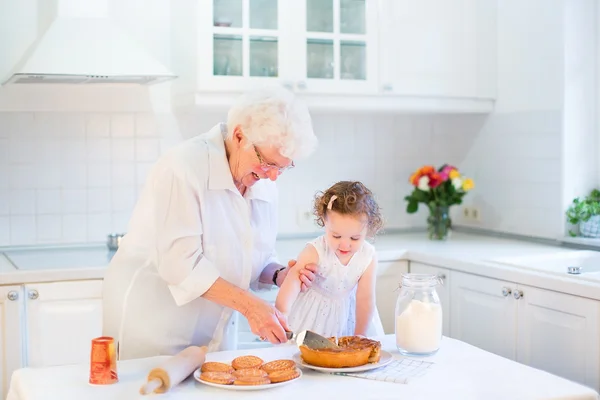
x=427, y=169
x=414, y=178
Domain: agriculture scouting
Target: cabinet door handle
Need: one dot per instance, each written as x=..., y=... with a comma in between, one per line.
x=13, y=295
x=301, y=85
x=506, y=291
x=518, y=294
x=442, y=279
x=387, y=87
x=33, y=294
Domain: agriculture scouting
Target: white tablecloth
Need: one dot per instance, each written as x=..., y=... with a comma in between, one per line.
x=461, y=372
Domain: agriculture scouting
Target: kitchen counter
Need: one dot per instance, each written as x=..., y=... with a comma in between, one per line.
x=460, y=371
x=462, y=252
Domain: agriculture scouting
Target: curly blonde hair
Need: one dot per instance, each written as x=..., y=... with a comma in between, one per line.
x=353, y=198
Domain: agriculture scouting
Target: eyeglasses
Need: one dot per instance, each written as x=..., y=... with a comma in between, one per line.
x=268, y=165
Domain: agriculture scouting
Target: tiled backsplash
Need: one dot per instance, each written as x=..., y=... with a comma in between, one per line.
x=72, y=178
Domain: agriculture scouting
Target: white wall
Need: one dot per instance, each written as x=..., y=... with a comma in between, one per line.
x=516, y=158
x=72, y=178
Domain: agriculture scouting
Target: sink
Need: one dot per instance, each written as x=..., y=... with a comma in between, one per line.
x=588, y=262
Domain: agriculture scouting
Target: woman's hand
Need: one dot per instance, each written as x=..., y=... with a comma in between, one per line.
x=307, y=274
x=267, y=322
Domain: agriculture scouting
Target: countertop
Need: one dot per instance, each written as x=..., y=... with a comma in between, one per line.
x=465, y=252
x=459, y=371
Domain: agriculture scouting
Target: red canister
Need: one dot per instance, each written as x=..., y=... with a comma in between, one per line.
x=103, y=361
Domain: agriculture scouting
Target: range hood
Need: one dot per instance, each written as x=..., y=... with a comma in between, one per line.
x=81, y=45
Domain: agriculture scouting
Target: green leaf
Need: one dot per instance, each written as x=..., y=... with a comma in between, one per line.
x=412, y=207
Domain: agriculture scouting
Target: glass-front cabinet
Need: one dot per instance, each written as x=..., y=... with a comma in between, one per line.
x=239, y=43
x=314, y=46
x=336, y=42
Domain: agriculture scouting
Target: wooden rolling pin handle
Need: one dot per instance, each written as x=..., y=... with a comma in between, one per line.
x=174, y=370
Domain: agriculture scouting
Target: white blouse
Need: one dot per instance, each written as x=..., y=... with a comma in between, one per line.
x=189, y=227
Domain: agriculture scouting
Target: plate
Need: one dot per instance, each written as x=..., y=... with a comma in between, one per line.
x=245, y=388
x=385, y=359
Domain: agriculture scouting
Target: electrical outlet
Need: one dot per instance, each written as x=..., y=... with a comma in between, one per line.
x=475, y=214
x=471, y=214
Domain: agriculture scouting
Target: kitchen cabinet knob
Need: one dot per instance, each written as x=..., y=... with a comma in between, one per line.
x=506, y=291
x=33, y=294
x=301, y=85
x=387, y=87
x=288, y=85
x=13, y=295
x=518, y=294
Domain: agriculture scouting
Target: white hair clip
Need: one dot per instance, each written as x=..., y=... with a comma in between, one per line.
x=331, y=201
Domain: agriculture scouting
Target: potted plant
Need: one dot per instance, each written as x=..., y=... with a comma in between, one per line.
x=586, y=214
x=438, y=189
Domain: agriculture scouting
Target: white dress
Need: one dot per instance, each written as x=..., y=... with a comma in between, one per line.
x=329, y=306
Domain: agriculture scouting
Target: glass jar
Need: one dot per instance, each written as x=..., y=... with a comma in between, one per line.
x=418, y=315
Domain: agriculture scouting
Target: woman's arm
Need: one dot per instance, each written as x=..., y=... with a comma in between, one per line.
x=365, y=298
x=292, y=284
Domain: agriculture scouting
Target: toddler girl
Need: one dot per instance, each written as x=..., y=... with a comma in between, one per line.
x=341, y=301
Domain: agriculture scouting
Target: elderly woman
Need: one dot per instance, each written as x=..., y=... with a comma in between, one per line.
x=203, y=232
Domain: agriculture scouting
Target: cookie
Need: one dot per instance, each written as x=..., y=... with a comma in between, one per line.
x=242, y=373
x=284, y=375
x=244, y=362
x=278, y=365
x=222, y=378
x=252, y=381
x=213, y=366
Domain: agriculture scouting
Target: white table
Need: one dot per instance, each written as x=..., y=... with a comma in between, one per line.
x=461, y=372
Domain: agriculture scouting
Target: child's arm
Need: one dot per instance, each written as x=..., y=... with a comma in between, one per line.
x=365, y=298
x=291, y=285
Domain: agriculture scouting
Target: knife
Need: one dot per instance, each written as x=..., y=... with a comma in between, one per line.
x=311, y=339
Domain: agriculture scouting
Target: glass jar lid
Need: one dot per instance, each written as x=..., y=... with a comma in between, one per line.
x=420, y=280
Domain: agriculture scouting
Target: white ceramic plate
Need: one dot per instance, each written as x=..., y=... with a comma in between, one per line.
x=385, y=359
x=242, y=387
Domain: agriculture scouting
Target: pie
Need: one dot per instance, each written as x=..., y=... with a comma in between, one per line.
x=354, y=351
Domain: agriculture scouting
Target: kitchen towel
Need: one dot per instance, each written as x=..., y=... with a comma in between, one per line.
x=398, y=371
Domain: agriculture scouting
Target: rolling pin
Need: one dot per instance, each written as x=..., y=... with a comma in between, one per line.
x=174, y=370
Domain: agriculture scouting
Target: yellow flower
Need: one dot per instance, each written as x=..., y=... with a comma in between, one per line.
x=468, y=184
x=453, y=174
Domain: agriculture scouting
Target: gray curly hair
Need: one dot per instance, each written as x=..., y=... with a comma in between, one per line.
x=274, y=116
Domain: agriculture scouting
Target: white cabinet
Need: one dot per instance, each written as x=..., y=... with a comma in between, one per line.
x=336, y=46
x=443, y=289
x=483, y=313
x=559, y=333
x=11, y=333
x=389, y=276
x=312, y=46
x=552, y=331
x=62, y=320
x=439, y=49
x=46, y=324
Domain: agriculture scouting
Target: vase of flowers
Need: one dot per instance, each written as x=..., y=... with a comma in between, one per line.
x=438, y=189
